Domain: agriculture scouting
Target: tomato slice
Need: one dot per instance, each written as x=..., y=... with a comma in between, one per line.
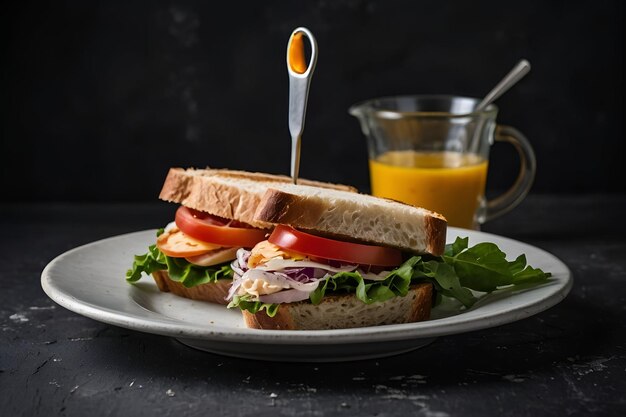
x=320, y=247
x=213, y=229
x=178, y=245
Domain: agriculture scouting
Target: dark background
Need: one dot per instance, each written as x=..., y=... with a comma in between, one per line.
x=101, y=98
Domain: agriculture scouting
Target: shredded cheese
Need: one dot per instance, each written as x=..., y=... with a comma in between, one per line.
x=258, y=287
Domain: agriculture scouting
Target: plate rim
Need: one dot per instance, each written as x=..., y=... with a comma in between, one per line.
x=155, y=323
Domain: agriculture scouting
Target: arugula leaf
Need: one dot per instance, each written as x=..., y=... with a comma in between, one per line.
x=245, y=302
x=530, y=275
x=459, y=245
x=484, y=267
x=178, y=269
x=447, y=283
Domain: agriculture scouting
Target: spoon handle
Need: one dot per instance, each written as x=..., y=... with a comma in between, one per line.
x=522, y=68
x=300, y=75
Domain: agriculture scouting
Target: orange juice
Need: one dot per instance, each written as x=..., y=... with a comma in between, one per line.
x=449, y=183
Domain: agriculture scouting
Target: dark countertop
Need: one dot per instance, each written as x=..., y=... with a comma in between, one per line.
x=568, y=360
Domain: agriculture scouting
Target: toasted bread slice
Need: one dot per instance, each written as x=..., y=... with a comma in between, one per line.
x=346, y=311
x=226, y=193
x=214, y=292
x=354, y=217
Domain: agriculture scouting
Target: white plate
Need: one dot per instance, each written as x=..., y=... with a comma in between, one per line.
x=90, y=280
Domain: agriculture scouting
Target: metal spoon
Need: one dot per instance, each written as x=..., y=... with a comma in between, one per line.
x=517, y=73
x=299, y=80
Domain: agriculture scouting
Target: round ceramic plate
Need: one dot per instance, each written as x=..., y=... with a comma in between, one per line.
x=90, y=280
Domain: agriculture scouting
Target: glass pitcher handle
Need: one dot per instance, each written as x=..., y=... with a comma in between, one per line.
x=525, y=178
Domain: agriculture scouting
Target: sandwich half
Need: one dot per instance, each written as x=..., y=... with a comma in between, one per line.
x=336, y=259
x=192, y=256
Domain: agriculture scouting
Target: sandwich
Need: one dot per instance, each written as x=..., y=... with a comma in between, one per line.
x=315, y=255
x=338, y=260
x=192, y=256
x=332, y=261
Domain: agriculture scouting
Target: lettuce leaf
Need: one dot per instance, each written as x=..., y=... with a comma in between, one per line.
x=152, y=261
x=396, y=284
x=245, y=302
x=444, y=279
x=484, y=267
x=456, y=274
x=178, y=269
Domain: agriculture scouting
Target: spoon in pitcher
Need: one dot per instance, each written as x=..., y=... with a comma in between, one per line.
x=300, y=74
x=517, y=73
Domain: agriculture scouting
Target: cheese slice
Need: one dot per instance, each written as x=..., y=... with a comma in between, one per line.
x=214, y=257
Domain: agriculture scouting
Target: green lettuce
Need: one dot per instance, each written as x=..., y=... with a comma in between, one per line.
x=178, y=269
x=245, y=302
x=484, y=267
x=396, y=284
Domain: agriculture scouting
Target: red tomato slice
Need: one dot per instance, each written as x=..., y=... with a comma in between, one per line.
x=320, y=247
x=177, y=245
x=213, y=229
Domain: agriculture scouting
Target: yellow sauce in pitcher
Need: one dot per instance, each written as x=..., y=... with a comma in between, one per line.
x=449, y=183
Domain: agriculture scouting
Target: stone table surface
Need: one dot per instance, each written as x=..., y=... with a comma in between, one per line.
x=568, y=360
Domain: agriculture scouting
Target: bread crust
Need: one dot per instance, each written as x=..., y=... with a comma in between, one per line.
x=436, y=228
x=327, y=216
x=260, y=320
x=346, y=311
x=227, y=193
x=283, y=208
x=214, y=292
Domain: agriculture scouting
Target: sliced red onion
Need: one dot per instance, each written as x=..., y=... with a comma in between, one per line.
x=237, y=281
x=236, y=269
x=240, y=264
x=242, y=258
x=302, y=274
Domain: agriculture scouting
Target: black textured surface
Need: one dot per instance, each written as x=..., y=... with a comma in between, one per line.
x=568, y=360
x=101, y=98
